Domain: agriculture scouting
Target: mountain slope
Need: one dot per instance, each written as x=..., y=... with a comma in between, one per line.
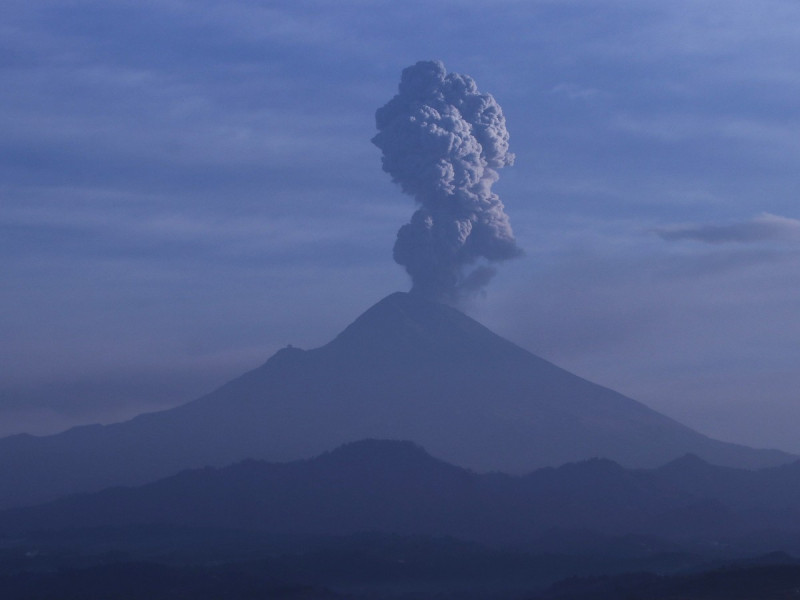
x=405, y=369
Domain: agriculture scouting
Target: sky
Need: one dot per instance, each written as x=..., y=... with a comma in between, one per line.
x=187, y=186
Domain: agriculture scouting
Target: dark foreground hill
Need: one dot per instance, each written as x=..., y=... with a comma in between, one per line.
x=383, y=577
x=397, y=488
x=406, y=369
x=772, y=582
x=145, y=581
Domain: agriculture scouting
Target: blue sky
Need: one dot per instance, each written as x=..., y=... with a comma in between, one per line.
x=187, y=186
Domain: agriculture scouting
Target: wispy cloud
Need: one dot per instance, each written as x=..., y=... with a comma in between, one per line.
x=574, y=91
x=763, y=228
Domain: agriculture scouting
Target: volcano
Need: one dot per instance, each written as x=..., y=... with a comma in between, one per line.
x=406, y=369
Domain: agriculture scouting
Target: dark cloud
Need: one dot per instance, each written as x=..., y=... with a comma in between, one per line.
x=763, y=228
x=443, y=142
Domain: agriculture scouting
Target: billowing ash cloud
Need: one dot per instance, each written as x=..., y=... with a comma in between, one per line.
x=763, y=228
x=443, y=141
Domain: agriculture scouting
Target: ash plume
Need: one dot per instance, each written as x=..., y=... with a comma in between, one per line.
x=443, y=142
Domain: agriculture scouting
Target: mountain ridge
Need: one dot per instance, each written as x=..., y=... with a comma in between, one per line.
x=396, y=487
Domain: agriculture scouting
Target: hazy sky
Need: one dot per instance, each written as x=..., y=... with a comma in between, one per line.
x=188, y=185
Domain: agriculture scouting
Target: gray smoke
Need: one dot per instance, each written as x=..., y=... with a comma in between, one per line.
x=443, y=142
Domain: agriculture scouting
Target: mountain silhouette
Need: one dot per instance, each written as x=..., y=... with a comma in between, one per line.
x=406, y=369
x=395, y=487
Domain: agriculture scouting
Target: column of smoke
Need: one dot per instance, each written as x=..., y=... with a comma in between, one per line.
x=442, y=142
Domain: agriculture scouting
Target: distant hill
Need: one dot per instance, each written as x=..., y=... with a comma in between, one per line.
x=406, y=369
x=396, y=487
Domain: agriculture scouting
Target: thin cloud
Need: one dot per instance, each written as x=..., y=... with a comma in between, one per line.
x=763, y=228
x=575, y=91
